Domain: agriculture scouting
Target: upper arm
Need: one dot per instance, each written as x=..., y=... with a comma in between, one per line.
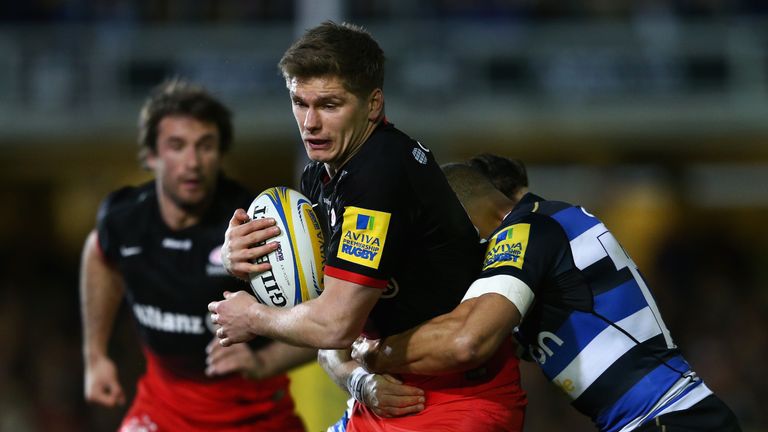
x=368, y=221
x=95, y=269
x=486, y=321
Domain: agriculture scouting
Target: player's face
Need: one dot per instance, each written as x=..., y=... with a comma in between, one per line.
x=333, y=121
x=187, y=160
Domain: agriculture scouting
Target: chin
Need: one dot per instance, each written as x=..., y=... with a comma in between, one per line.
x=191, y=201
x=320, y=156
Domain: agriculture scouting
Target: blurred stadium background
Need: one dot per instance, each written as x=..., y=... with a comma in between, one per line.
x=653, y=113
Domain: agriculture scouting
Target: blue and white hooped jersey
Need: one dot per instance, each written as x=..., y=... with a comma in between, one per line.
x=592, y=326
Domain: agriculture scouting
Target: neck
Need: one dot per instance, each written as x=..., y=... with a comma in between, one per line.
x=490, y=212
x=334, y=167
x=177, y=217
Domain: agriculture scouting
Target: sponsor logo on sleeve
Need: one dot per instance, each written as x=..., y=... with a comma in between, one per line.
x=363, y=235
x=507, y=247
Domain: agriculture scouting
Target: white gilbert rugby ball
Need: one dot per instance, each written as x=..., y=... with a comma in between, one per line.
x=297, y=264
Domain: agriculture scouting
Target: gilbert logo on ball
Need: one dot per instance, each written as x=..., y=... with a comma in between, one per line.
x=297, y=264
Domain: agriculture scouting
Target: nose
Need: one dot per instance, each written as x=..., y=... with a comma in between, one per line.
x=311, y=121
x=192, y=157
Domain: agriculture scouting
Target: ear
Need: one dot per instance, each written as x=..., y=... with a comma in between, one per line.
x=375, y=104
x=150, y=159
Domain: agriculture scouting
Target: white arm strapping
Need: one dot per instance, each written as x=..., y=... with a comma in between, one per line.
x=508, y=286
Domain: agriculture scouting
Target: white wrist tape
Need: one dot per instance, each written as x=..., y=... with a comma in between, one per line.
x=356, y=383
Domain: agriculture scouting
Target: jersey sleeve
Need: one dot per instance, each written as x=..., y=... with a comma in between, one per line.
x=369, y=230
x=105, y=228
x=519, y=259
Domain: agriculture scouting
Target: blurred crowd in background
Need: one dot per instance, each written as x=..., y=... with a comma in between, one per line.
x=174, y=11
x=679, y=179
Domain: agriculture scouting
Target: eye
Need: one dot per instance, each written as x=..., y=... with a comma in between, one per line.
x=175, y=144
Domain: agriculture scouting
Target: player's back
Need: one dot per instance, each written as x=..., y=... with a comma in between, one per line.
x=593, y=327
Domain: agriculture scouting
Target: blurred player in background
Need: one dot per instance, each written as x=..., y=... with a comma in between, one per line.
x=400, y=249
x=158, y=245
x=582, y=311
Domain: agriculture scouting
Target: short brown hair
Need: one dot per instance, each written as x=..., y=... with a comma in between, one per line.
x=179, y=97
x=343, y=50
x=507, y=175
x=468, y=182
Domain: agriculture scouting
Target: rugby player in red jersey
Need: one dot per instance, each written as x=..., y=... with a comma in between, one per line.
x=157, y=245
x=400, y=249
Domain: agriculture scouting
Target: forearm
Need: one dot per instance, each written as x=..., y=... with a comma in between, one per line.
x=278, y=357
x=429, y=349
x=338, y=364
x=101, y=292
x=305, y=325
x=331, y=321
x=460, y=340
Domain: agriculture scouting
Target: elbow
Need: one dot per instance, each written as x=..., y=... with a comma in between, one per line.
x=340, y=337
x=468, y=351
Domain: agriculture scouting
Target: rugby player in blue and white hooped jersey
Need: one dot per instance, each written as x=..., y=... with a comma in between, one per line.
x=579, y=307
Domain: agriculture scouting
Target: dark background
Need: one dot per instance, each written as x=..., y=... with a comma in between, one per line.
x=653, y=114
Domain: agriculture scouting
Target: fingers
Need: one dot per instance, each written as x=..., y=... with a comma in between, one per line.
x=240, y=217
x=252, y=231
x=390, y=405
x=107, y=394
x=388, y=397
x=245, y=242
x=397, y=411
x=242, y=262
x=395, y=387
x=217, y=360
x=236, y=358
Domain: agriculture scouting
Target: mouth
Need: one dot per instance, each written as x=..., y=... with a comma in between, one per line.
x=192, y=183
x=317, y=143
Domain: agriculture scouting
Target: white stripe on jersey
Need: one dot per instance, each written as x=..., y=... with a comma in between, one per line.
x=587, y=248
x=692, y=398
x=515, y=290
x=595, y=244
x=604, y=350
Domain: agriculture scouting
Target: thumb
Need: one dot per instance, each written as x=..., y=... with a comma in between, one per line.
x=240, y=216
x=227, y=294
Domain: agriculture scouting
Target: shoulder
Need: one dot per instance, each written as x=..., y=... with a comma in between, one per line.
x=311, y=179
x=232, y=193
x=390, y=156
x=389, y=145
x=126, y=200
x=537, y=216
x=312, y=171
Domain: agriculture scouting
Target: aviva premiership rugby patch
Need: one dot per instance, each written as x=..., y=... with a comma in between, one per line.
x=507, y=247
x=363, y=235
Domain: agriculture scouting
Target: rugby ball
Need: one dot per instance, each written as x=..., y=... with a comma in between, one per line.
x=297, y=264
